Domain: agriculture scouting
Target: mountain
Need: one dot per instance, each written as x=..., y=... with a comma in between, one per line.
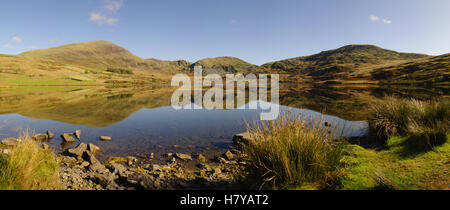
x=341, y=62
x=93, y=54
x=97, y=62
x=225, y=65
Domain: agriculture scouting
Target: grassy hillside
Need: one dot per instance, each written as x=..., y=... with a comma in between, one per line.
x=352, y=62
x=429, y=70
x=225, y=65
x=98, y=62
x=93, y=54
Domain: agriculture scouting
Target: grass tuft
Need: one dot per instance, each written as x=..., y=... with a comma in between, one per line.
x=426, y=123
x=28, y=167
x=290, y=153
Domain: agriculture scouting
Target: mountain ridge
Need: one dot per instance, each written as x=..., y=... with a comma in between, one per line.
x=360, y=63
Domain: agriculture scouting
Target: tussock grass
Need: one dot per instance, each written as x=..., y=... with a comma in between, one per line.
x=426, y=123
x=28, y=167
x=290, y=153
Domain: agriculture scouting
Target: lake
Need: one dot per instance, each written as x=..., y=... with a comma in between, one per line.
x=142, y=121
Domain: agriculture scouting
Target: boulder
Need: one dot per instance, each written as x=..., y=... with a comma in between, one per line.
x=118, y=168
x=67, y=137
x=183, y=156
x=105, y=138
x=10, y=141
x=241, y=139
x=78, y=151
x=50, y=135
x=217, y=171
x=5, y=151
x=40, y=137
x=104, y=179
x=228, y=155
x=94, y=149
x=78, y=134
x=155, y=167
x=201, y=158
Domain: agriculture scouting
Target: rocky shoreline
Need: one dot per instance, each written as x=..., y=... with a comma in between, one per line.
x=81, y=170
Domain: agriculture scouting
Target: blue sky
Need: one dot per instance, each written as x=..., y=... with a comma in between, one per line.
x=257, y=31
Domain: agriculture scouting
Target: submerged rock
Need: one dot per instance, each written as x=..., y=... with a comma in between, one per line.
x=105, y=138
x=67, y=137
x=10, y=141
x=183, y=156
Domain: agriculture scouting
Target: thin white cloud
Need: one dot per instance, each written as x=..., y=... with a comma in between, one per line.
x=106, y=13
x=101, y=19
x=17, y=39
x=112, y=6
x=387, y=21
x=8, y=46
x=375, y=18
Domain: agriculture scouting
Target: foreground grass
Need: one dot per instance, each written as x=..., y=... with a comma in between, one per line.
x=401, y=166
x=28, y=167
x=288, y=153
x=413, y=151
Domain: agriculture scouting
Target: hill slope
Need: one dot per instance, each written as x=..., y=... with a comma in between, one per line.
x=225, y=65
x=430, y=70
x=93, y=54
x=339, y=63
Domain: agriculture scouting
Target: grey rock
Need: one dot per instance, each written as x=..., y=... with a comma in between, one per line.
x=50, y=135
x=78, y=134
x=119, y=168
x=5, y=151
x=78, y=151
x=201, y=158
x=105, y=138
x=228, y=155
x=94, y=149
x=104, y=179
x=40, y=137
x=85, y=164
x=67, y=137
x=10, y=141
x=155, y=167
x=241, y=139
x=183, y=156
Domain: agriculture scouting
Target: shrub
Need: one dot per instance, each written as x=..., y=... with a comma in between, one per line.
x=28, y=167
x=119, y=71
x=290, y=153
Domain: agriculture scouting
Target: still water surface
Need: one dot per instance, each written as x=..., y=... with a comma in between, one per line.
x=141, y=121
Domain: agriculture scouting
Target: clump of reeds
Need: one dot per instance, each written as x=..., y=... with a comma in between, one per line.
x=28, y=167
x=290, y=153
x=425, y=122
